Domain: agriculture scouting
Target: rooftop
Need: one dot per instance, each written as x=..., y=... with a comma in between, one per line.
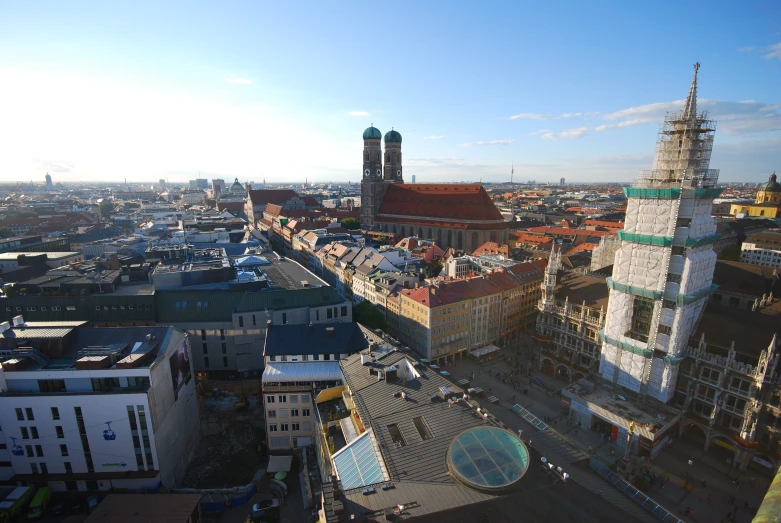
x=750, y=331
x=579, y=288
x=425, y=443
x=321, y=338
x=307, y=371
x=449, y=202
x=138, y=508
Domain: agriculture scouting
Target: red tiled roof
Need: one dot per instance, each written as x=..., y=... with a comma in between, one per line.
x=441, y=202
x=491, y=226
x=606, y=224
x=310, y=201
x=492, y=248
x=564, y=231
x=266, y=196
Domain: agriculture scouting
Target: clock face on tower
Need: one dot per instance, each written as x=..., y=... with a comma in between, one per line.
x=367, y=172
x=379, y=172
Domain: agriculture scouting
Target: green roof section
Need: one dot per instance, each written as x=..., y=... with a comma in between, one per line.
x=672, y=193
x=645, y=239
x=705, y=240
x=634, y=290
x=646, y=353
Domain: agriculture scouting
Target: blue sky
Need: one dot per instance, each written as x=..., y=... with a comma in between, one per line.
x=283, y=90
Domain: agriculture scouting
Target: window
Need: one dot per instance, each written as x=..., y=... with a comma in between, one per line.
x=284, y=318
x=241, y=321
x=294, y=398
x=63, y=450
x=224, y=349
x=25, y=433
x=206, y=362
x=203, y=334
x=34, y=468
x=295, y=426
x=272, y=427
x=60, y=432
x=44, y=468
x=283, y=427
x=39, y=451
x=344, y=310
x=205, y=349
x=304, y=398
x=34, y=432
x=272, y=413
x=282, y=398
x=68, y=467
x=55, y=413
x=306, y=426
x=225, y=361
x=283, y=413
x=5, y=463
x=668, y=304
x=329, y=313
x=675, y=278
x=306, y=412
x=664, y=329
x=19, y=415
x=270, y=399
x=29, y=451
x=396, y=436
x=423, y=428
x=293, y=412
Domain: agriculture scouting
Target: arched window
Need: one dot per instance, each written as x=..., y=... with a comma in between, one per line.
x=394, y=228
x=493, y=236
x=439, y=237
x=420, y=232
x=449, y=237
x=474, y=241
x=460, y=239
x=430, y=237
x=403, y=233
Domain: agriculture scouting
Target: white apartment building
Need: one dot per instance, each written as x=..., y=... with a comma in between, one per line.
x=302, y=368
x=87, y=409
x=762, y=249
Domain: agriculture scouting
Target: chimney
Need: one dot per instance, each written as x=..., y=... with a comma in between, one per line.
x=329, y=331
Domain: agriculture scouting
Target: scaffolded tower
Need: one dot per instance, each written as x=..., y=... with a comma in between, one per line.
x=663, y=270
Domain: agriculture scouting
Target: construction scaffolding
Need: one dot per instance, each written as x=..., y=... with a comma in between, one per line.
x=663, y=269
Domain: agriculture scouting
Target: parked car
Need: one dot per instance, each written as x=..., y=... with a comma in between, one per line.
x=39, y=503
x=267, y=507
x=58, y=508
x=75, y=505
x=92, y=504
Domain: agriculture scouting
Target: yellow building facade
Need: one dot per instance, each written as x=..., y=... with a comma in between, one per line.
x=767, y=203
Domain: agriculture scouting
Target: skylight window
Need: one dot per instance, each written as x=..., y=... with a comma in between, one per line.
x=396, y=436
x=423, y=428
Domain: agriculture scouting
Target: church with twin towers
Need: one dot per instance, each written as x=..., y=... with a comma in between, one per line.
x=461, y=216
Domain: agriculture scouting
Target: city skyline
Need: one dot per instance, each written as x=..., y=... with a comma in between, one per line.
x=95, y=92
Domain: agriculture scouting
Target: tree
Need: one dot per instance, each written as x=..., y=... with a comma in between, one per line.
x=106, y=208
x=350, y=223
x=5, y=232
x=369, y=316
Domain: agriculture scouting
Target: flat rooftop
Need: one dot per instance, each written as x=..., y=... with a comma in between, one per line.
x=145, y=508
x=420, y=477
x=581, y=288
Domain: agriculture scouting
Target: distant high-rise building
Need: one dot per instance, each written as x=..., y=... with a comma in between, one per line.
x=48, y=180
x=161, y=182
x=413, y=178
x=663, y=270
x=199, y=183
x=561, y=182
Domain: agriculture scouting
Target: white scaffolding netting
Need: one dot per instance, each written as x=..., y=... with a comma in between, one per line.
x=650, y=216
x=640, y=266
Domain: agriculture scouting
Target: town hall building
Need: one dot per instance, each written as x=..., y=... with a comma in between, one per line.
x=461, y=216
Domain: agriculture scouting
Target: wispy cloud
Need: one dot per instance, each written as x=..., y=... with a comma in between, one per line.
x=433, y=137
x=492, y=142
x=747, y=49
x=530, y=116
x=569, y=134
x=538, y=116
x=359, y=113
x=775, y=52
x=238, y=81
x=742, y=117
x=537, y=133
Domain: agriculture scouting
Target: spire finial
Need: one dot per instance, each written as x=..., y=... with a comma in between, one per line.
x=690, y=109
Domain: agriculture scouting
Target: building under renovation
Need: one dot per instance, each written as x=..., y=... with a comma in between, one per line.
x=664, y=267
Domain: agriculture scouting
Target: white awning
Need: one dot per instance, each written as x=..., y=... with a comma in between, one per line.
x=302, y=371
x=279, y=464
x=482, y=351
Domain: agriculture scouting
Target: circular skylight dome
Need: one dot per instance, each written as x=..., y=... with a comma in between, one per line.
x=487, y=458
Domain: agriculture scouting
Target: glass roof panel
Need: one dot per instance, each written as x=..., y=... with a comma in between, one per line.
x=488, y=458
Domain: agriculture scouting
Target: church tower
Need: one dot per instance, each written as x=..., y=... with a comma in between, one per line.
x=372, y=186
x=393, y=172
